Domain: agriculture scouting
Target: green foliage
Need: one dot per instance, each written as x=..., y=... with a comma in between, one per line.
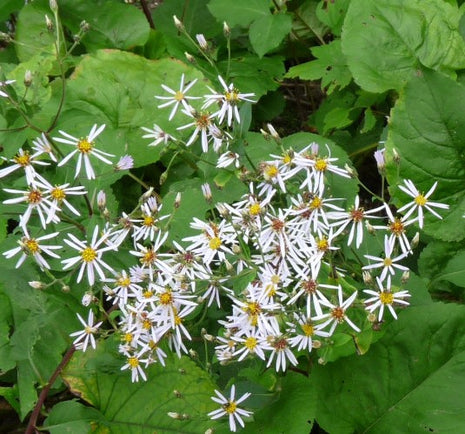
x=399, y=37
x=405, y=380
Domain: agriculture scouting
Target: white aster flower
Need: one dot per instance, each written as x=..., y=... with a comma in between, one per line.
x=86, y=336
x=178, y=97
x=90, y=256
x=228, y=101
x=84, y=147
x=337, y=314
x=304, y=330
x=134, y=364
x=23, y=160
x=158, y=135
x=385, y=297
x=388, y=263
x=126, y=162
x=43, y=146
x=230, y=408
x=280, y=345
x=202, y=123
x=29, y=246
x=228, y=158
x=419, y=202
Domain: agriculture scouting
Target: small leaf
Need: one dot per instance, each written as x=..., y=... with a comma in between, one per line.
x=267, y=32
x=239, y=12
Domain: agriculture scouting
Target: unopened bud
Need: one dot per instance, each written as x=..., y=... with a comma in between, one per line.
x=84, y=26
x=163, y=177
x=224, y=212
x=209, y=431
x=316, y=344
x=396, y=156
x=405, y=277
x=179, y=25
x=367, y=277
x=371, y=317
x=190, y=58
x=49, y=23
x=101, y=200
x=147, y=194
x=87, y=299
x=265, y=134
x=415, y=240
x=106, y=214
x=371, y=230
x=208, y=337
x=177, y=393
x=236, y=249
x=27, y=78
x=321, y=361
x=226, y=29
x=380, y=161
x=177, y=200
x=228, y=265
x=36, y=284
x=65, y=288
x=174, y=415
x=350, y=171
x=273, y=132
x=53, y=5
x=193, y=354
x=207, y=192
x=202, y=41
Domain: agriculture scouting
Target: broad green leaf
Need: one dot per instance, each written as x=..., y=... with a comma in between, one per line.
x=266, y=33
x=72, y=417
x=427, y=129
x=330, y=66
x=387, y=41
x=239, y=12
x=412, y=379
x=292, y=411
x=443, y=261
x=142, y=407
x=112, y=24
x=332, y=13
x=32, y=35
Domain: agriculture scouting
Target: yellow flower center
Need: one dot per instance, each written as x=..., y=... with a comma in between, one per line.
x=149, y=257
x=316, y=203
x=322, y=244
x=396, y=227
x=88, y=254
x=178, y=96
x=58, y=194
x=147, y=293
x=232, y=96
x=202, y=121
x=34, y=196
x=128, y=337
x=133, y=362
x=166, y=298
x=214, y=243
x=147, y=324
x=270, y=171
x=23, y=160
x=85, y=146
x=32, y=246
x=387, y=262
x=230, y=407
x=287, y=159
x=89, y=330
x=386, y=297
x=307, y=329
x=420, y=200
x=250, y=343
x=124, y=282
x=148, y=220
x=254, y=209
x=177, y=320
x=321, y=165
x=270, y=290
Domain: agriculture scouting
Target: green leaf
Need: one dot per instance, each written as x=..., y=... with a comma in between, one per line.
x=112, y=24
x=332, y=13
x=429, y=120
x=32, y=35
x=239, y=12
x=443, y=261
x=411, y=379
x=142, y=407
x=266, y=33
x=330, y=66
x=71, y=416
x=306, y=23
x=293, y=410
x=387, y=41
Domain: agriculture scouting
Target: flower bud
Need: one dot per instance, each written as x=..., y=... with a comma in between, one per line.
x=27, y=78
x=396, y=156
x=207, y=192
x=273, y=133
x=177, y=200
x=316, y=344
x=380, y=161
x=177, y=393
x=367, y=277
x=87, y=299
x=174, y=415
x=405, y=277
x=415, y=240
x=49, y=23
x=179, y=25
x=226, y=29
x=101, y=200
x=53, y=5
x=350, y=171
x=190, y=58
x=202, y=41
x=371, y=317
x=36, y=284
x=163, y=177
x=371, y=230
x=84, y=26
